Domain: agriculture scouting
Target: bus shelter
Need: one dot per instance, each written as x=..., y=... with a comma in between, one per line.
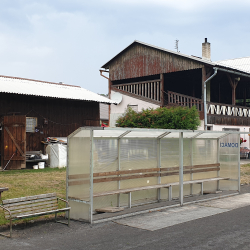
x=125, y=167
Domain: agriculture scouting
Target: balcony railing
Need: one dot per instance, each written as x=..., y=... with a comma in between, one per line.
x=174, y=98
x=227, y=109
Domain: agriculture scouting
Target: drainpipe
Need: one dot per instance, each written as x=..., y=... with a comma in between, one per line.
x=101, y=73
x=205, y=97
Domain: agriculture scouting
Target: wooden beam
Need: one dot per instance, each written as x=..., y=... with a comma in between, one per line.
x=162, y=90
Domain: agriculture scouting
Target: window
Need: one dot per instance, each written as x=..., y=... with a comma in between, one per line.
x=134, y=107
x=31, y=123
x=230, y=129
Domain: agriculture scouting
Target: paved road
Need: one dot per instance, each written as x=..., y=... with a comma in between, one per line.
x=228, y=229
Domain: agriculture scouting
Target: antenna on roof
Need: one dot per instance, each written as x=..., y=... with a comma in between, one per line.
x=176, y=45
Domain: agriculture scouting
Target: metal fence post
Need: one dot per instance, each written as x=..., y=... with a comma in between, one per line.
x=119, y=167
x=181, y=168
x=218, y=160
x=91, y=175
x=159, y=166
x=239, y=163
x=191, y=161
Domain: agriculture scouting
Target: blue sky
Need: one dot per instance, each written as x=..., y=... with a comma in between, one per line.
x=69, y=40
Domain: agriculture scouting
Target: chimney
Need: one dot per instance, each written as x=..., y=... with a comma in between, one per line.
x=206, y=53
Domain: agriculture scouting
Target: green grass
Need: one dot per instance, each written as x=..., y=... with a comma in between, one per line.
x=32, y=182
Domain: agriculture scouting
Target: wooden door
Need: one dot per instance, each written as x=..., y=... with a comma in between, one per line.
x=13, y=148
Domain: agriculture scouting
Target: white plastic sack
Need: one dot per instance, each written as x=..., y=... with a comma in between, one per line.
x=57, y=155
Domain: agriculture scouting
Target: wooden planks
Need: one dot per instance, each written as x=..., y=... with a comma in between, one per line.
x=109, y=209
x=128, y=190
x=28, y=198
x=31, y=206
x=151, y=172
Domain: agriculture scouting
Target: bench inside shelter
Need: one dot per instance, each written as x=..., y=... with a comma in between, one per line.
x=115, y=176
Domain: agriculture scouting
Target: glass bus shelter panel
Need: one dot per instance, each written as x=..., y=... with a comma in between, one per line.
x=79, y=211
x=169, y=153
x=79, y=174
x=136, y=154
x=105, y=155
x=170, y=159
x=79, y=168
x=229, y=152
x=204, y=151
x=105, y=159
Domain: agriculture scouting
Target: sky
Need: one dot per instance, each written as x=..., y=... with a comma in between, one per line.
x=69, y=40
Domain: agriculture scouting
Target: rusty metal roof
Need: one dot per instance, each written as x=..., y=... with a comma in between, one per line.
x=23, y=86
x=106, y=65
x=237, y=65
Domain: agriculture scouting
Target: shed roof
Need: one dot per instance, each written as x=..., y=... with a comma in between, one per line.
x=24, y=86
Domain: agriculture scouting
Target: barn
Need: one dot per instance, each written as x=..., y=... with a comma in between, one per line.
x=32, y=110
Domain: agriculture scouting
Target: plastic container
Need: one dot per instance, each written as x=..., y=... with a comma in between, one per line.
x=40, y=165
x=45, y=157
x=35, y=166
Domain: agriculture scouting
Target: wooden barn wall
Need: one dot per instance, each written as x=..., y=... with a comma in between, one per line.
x=228, y=120
x=140, y=60
x=64, y=116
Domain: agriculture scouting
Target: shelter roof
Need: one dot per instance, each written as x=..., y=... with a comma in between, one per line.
x=132, y=133
x=24, y=86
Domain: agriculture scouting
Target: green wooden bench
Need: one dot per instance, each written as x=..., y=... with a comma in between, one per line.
x=32, y=206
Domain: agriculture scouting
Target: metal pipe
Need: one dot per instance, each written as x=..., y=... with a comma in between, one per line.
x=102, y=74
x=205, y=97
x=181, y=168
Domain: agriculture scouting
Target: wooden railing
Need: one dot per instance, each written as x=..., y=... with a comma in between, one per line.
x=147, y=89
x=174, y=98
x=227, y=109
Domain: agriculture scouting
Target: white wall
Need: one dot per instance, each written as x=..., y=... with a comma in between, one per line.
x=117, y=110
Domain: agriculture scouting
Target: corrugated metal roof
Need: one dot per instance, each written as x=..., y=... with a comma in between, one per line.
x=242, y=64
x=23, y=86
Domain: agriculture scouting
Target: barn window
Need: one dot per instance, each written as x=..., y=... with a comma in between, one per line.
x=134, y=107
x=31, y=123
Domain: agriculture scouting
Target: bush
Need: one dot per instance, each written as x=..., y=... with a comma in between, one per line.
x=165, y=118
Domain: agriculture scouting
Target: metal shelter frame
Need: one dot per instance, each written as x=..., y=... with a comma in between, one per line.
x=94, y=133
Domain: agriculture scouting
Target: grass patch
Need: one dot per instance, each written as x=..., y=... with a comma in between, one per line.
x=32, y=182
x=245, y=174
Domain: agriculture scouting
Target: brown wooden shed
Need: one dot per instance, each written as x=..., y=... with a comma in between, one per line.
x=33, y=110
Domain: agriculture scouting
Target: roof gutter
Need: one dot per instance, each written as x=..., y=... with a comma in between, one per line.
x=232, y=72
